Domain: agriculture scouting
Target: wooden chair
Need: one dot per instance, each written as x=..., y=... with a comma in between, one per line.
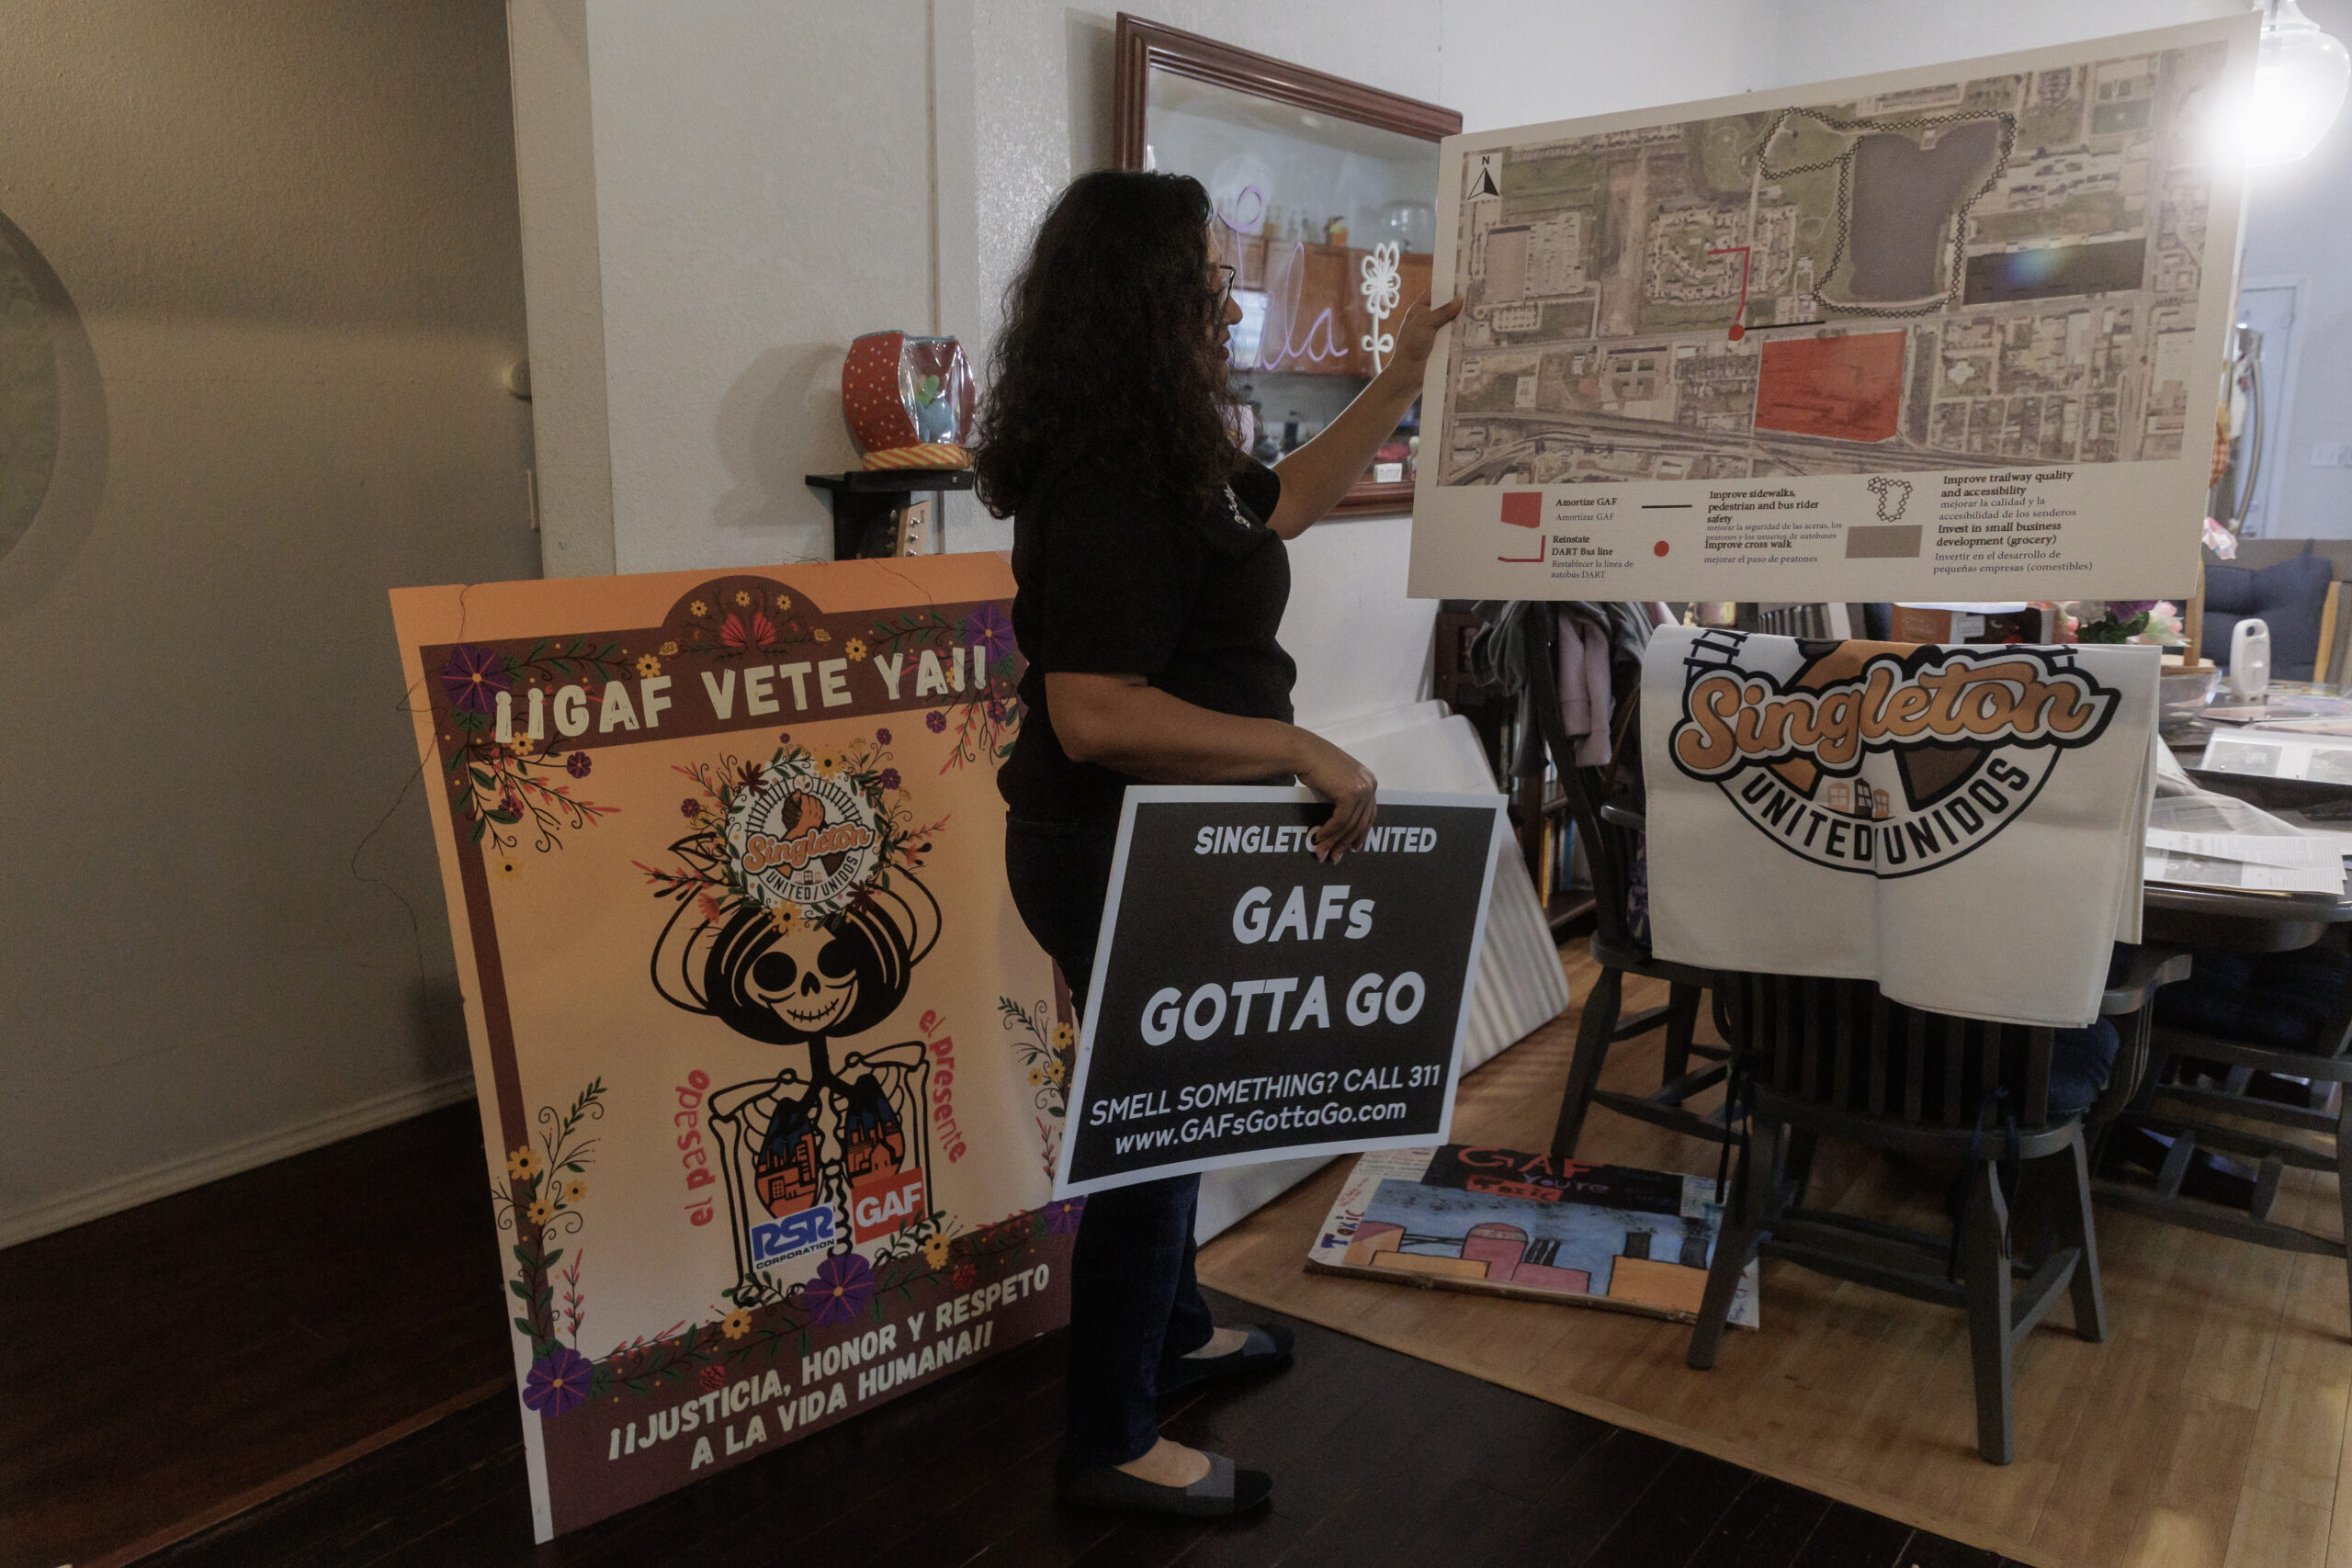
x=1835, y=1058
x=2198, y=1095
x=1611, y=839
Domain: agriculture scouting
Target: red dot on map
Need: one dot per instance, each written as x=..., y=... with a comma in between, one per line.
x=1738, y=331
x=1659, y=548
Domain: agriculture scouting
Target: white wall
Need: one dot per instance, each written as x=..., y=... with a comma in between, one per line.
x=2299, y=225
x=1821, y=38
x=769, y=182
x=289, y=229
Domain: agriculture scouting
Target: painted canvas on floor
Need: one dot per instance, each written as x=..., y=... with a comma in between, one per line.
x=1505, y=1222
x=771, y=1073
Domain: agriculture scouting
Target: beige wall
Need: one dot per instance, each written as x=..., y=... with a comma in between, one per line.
x=290, y=229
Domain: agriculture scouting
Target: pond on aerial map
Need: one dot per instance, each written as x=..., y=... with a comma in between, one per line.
x=1904, y=196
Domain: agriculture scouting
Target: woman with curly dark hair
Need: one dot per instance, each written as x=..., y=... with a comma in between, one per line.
x=1148, y=553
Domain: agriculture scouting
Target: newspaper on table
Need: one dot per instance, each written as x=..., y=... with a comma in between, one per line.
x=2280, y=754
x=2217, y=840
x=1501, y=1221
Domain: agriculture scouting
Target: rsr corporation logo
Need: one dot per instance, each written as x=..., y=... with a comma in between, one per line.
x=802, y=838
x=1867, y=759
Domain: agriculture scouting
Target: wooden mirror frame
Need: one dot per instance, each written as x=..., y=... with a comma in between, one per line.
x=1145, y=47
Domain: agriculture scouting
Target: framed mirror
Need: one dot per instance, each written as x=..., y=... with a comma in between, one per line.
x=1325, y=198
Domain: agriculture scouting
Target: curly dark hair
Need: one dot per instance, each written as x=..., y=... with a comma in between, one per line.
x=1109, y=347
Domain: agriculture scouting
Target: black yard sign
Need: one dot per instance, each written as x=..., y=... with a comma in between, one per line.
x=1250, y=1002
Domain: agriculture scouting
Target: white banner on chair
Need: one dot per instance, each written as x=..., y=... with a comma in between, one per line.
x=1961, y=825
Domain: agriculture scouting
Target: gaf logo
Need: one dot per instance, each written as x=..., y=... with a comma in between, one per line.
x=880, y=1204
x=792, y=1236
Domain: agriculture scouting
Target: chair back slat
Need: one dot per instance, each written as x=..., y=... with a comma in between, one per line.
x=1815, y=1040
x=2035, y=1107
x=1915, y=1064
x=1955, y=1045
x=1841, y=1001
x=1785, y=1031
x=1991, y=1054
x=1882, y=1043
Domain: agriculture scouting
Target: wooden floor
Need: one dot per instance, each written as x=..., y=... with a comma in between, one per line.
x=172, y=1363
x=2208, y=1430
x=1379, y=1460
x=306, y=1364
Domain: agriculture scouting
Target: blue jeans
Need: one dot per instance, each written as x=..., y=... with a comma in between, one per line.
x=1134, y=1302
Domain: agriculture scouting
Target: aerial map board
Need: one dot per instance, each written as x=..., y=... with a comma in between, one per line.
x=1950, y=334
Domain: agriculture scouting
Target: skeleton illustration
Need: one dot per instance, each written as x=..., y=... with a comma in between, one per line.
x=833, y=1119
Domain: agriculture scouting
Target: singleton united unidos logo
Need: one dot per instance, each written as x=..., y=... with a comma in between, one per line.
x=1869, y=758
x=803, y=839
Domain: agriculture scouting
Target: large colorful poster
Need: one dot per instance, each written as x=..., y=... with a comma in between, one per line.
x=1948, y=333
x=771, y=1073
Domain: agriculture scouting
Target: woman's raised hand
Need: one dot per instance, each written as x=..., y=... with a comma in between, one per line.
x=1416, y=334
x=1349, y=786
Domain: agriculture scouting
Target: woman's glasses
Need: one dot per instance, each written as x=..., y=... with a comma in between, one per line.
x=1226, y=276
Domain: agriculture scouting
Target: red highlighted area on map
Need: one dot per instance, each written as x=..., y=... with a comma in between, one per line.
x=1849, y=389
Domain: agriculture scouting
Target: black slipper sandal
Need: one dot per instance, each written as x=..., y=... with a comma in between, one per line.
x=1266, y=1350
x=1225, y=1489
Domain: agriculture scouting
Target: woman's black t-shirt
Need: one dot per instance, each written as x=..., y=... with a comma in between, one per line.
x=1114, y=583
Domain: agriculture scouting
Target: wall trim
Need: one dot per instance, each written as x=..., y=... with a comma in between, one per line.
x=229, y=1159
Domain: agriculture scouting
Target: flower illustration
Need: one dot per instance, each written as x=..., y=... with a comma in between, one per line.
x=854, y=647
x=934, y=1249
x=828, y=765
x=784, y=600
x=992, y=629
x=841, y=1291
x=697, y=608
x=1064, y=1037
x=965, y=1276
x=784, y=738
x=521, y=745
x=711, y=1377
x=559, y=1381
x=473, y=676
x=668, y=649
x=577, y=765
x=741, y=637
x=649, y=665
x=736, y=1324
x=574, y=1191
x=1036, y=1077
x=540, y=1211
x=821, y=635
x=935, y=721
x=1061, y=1215
x=905, y=795
x=506, y=867
x=996, y=712
x=742, y=600
x=889, y=778
x=690, y=808
x=1057, y=1072
x=522, y=1162
x=786, y=918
